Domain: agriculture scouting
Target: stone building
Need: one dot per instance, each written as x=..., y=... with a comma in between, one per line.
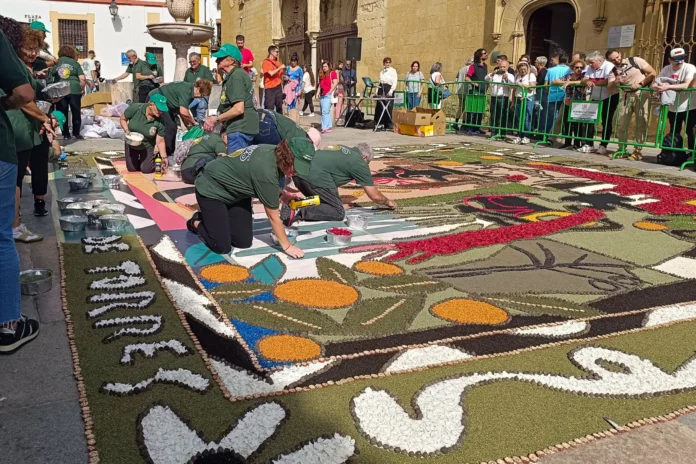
x=449, y=31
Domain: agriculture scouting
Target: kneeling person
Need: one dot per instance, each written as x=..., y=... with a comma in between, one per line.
x=330, y=170
x=203, y=150
x=226, y=186
x=145, y=119
x=274, y=128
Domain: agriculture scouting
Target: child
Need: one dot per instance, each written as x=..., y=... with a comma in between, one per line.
x=200, y=104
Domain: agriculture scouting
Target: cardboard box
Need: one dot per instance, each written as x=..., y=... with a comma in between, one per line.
x=92, y=99
x=420, y=122
x=98, y=107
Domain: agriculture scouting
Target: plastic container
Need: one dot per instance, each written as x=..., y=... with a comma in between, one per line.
x=35, y=281
x=45, y=107
x=358, y=221
x=73, y=223
x=291, y=232
x=309, y=201
x=112, y=181
x=336, y=236
x=57, y=90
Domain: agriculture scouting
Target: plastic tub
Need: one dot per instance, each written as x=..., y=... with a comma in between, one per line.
x=338, y=236
x=358, y=221
x=291, y=232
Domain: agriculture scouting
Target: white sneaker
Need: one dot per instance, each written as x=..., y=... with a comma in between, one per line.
x=602, y=150
x=525, y=141
x=301, y=113
x=24, y=235
x=516, y=140
x=311, y=115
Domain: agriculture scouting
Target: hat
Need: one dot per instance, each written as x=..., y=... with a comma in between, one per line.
x=39, y=26
x=523, y=63
x=151, y=58
x=60, y=117
x=494, y=56
x=303, y=150
x=160, y=102
x=678, y=54
x=315, y=136
x=229, y=50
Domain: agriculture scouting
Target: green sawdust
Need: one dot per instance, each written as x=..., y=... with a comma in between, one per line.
x=504, y=418
x=383, y=316
x=404, y=284
x=468, y=256
x=539, y=305
x=282, y=316
x=424, y=319
x=654, y=277
x=505, y=189
x=331, y=270
x=572, y=297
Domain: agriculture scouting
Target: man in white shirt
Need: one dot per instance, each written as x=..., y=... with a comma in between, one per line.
x=500, y=97
x=601, y=79
x=90, y=69
x=681, y=75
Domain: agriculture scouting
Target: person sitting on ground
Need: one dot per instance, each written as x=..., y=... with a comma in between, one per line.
x=331, y=170
x=146, y=119
x=203, y=150
x=274, y=128
x=225, y=188
x=179, y=96
x=236, y=111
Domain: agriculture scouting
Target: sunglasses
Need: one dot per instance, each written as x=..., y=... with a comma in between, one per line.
x=578, y=67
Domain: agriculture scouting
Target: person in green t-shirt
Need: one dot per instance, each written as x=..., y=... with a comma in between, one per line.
x=274, y=128
x=197, y=70
x=15, y=330
x=145, y=119
x=226, y=186
x=149, y=76
x=332, y=168
x=179, y=97
x=69, y=70
x=203, y=150
x=133, y=60
x=236, y=111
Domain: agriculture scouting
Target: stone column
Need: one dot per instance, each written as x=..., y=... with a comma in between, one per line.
x=313, y=29
x=181, y=51
x=313, y=45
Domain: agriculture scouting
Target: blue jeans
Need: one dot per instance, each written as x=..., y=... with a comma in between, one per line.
x=326, y=122
x=528, y=115
x=200, y=105
x=237, y=141
x=9, y=259
x=412, y=100
x=548, y=115
x=268, y=129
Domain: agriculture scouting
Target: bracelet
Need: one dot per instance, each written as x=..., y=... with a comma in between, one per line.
x=288, y=247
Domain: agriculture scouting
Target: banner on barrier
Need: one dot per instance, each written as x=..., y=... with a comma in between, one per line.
x=588, y=112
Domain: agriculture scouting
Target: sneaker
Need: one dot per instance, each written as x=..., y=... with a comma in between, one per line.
x=525, y=141
x=636, y=156
x=40, y=208
x=516, y=140
x=602, y=150
x=287, y=215
x=23, y=235
x=189, y=224
x=311, y=115
x=301, y=113
x=12, y=339
x=585, y=149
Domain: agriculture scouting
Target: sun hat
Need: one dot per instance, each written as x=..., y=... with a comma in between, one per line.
x=39, y=26
x=315, y=136
x=303, y=151
x=151, y=58
x=160, y=102
x=229, y=50
x=678, y=54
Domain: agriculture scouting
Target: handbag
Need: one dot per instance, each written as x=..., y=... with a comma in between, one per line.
x=446, y=93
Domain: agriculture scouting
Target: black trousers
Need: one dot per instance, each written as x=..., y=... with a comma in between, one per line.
x=309, y=101
x=608, y=109
x=38, y=158
x=676, y=123
x=72, y=102
x=225, y=226
x=274, y=99
x=330, y=207
x=140, y=159
x=383, y=91
x=170, y=127
x=499, y=114
x=144, y=93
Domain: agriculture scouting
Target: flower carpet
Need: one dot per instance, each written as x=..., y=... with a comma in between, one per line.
x=515, y=304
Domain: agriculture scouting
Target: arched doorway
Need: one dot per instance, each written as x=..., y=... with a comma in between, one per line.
x=551, y=22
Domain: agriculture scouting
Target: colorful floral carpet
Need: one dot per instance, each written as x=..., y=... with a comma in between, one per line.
x=513, y=305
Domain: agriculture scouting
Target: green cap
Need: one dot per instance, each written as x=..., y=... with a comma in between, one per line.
x=160, y=102
x=303, y=149
x=151, y=58
x=60, y=117
x=229, y=50
x=495, y=55
x=39, y=26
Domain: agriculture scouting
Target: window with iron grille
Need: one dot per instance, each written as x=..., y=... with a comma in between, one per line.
x=73, y=32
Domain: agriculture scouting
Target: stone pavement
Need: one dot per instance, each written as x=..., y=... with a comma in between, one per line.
x=40, y=418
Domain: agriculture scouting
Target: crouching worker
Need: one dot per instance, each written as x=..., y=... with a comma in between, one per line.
x=274, y=128
x=226, y=186
x=145, y=119
x=330, y=170
x=203, y=150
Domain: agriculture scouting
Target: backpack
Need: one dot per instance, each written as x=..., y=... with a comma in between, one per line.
x=672, y=157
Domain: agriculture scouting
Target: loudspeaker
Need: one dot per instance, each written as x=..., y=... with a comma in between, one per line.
x=353, y=48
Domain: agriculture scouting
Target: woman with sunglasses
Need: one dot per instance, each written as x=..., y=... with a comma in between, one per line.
x=572, y=83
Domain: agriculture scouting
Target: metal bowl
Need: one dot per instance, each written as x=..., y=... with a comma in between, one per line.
x=98, y=202
x=95, y=214
x=85, y=175
x=134, y=139
x=112, y=181
x=176, y=170
x=64, y=202
x=45, y=107
x=291, y=232
x=358, y=221
x=35, y=281
x=57, y=90
x=334, y=239
x=78, y=209
x=73, y=223
x=114, y=222
x=79, y=183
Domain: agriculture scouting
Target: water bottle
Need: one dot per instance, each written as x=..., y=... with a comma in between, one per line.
x=158, y=167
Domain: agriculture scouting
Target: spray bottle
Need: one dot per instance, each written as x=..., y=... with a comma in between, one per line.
x=309, y=201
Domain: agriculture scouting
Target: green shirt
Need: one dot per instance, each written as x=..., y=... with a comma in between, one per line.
x=211, y=144
x=26, y=128
x=177, y=93
x=193, y=158
x=147, y=70
x=237, y=87
x=138, y=122
x=12, y=76
x=248, y=173
x=203, y=72
x=336, y=166
x=68, y=70
x=287, y=128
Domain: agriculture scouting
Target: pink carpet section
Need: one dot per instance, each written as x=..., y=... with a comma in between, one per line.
x=165, y=218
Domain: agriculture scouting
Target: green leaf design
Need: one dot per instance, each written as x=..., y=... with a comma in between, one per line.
x=239, y=290
x=331, y=270
x=281, y=316
x=538, y=305
x=383, y=316
x=404, y=284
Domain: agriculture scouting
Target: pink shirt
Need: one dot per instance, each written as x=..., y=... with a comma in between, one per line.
x=247, y=57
